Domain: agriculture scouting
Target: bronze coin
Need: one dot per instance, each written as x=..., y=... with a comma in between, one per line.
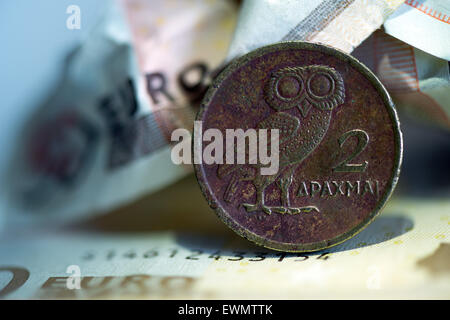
x=340, y=146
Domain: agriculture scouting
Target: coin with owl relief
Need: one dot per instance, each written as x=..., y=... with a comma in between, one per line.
x=338, y=146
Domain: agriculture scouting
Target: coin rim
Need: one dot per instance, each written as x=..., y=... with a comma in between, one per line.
x=312, y=246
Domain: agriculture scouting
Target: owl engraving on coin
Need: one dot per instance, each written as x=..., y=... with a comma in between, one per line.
x=338, y=139
x=315, y=91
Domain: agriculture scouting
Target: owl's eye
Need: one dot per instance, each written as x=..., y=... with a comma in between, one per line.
x=320, y=85
x=289, y=87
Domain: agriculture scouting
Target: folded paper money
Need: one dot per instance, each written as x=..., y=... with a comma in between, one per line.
x=341, y=24
x=412, y=63
x=417, y=80
x=102, y=137
x=424, y=25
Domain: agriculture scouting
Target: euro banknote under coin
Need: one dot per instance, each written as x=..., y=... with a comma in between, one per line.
x=403, y=254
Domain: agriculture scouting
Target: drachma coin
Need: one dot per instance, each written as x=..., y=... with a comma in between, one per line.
x=339, y=146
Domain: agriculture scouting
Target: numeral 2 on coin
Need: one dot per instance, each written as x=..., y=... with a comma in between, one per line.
x=363, y=140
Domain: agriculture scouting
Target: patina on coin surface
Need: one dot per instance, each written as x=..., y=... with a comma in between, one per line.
x=340, y=146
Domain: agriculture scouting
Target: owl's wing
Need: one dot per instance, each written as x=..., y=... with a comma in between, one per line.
x=286, y=124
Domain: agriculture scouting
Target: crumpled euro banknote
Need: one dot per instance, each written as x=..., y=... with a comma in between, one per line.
x=424, y=24
x=418, y=81
x=102, y=137
x=412, y=62
x=343, y=24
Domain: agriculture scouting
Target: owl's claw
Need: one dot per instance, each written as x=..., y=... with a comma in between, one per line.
x=307, y=209
x=279, y=209
x=286, y=210
x=292, y=210
x=267, y=210
x=250, y=207
x=255, y=207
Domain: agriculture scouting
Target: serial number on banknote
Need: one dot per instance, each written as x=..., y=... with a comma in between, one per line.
x=200, y=254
